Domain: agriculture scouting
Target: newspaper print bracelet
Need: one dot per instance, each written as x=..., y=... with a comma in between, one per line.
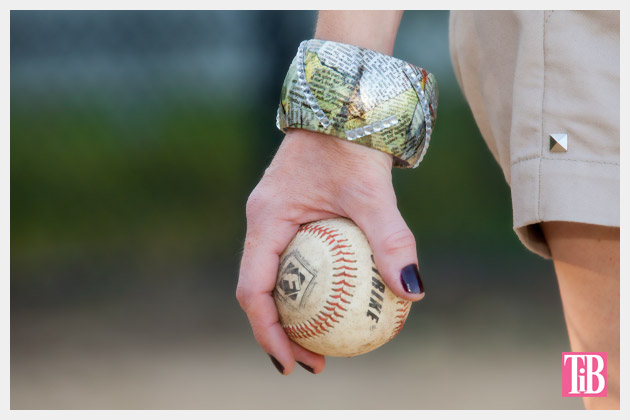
x=361, y=96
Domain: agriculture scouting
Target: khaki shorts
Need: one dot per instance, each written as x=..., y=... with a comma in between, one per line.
x=528, y=75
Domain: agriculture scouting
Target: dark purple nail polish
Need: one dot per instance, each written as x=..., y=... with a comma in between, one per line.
x=277, y=364
x=410, y=278
x=307, y=367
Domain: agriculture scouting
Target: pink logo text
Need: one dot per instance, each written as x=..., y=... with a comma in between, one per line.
x=583, y=374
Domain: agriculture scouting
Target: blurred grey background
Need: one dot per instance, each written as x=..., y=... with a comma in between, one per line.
x=136, y=137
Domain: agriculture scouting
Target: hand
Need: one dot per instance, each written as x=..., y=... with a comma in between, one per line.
x=315, y=176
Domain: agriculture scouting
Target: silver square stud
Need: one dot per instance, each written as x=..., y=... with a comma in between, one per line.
x=558, y=143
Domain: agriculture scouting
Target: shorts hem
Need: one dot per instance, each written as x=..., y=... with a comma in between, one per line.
x=545, y=190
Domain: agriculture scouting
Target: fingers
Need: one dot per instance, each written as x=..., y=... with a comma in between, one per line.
x=257, y=278
x=265, y=241
x=394, y=247
x=312, y=362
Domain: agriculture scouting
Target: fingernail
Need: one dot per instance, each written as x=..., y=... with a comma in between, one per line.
x=307, y=367
x=410, y=278
x=277, y=364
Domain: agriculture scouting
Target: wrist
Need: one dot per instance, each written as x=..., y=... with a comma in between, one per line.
x=344, y=152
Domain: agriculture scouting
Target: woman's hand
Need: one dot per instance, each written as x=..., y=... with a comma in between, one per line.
x=315, y=176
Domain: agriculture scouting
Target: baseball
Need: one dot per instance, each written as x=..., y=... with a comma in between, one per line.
x=330, y=296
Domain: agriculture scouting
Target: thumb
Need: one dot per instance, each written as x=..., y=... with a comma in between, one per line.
x=394, y=248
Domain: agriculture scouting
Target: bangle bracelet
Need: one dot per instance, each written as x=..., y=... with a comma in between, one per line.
x=361, y=96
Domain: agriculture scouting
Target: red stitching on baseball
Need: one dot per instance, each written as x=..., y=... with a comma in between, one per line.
x=341, y=290
x=315, y=326
x=318, y=325
x=340, y=298
x=335, y=314
x=344, y=253
x=401, y=318
x=344, y=283
x=326, y=319
x=336, y=304
x=303, y=330
x=343, y=267
x=342, y=259
x=297, y=331
x=344, y=274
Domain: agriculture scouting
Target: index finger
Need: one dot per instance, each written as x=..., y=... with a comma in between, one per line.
x=257, y=278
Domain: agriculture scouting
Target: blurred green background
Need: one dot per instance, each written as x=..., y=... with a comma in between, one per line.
x=136, y=137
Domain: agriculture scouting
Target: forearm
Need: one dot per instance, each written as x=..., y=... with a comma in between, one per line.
x=373, y=29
